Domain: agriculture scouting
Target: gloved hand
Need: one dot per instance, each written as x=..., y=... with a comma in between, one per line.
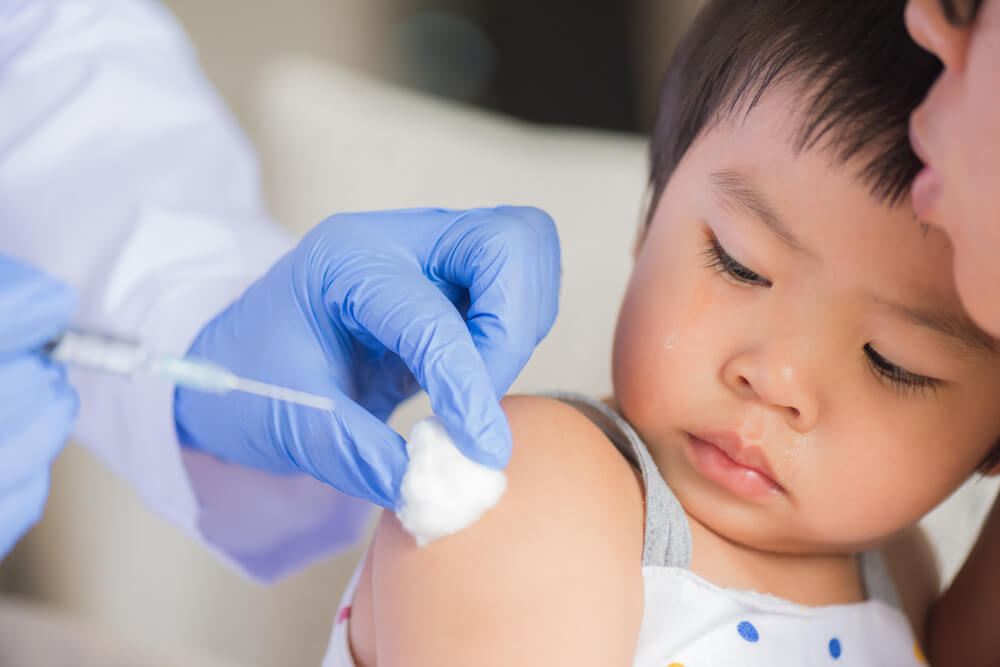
x=37, y=405
x=367, y=306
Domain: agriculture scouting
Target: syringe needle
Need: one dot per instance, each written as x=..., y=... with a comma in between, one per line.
x=206, y=376
x=282, y=393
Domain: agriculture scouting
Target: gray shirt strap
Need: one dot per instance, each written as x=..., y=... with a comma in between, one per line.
x=877, y=580
x=667, y=540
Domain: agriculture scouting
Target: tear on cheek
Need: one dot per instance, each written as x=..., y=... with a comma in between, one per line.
x=799, y=444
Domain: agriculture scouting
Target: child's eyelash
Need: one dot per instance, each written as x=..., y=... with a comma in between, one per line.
x=898, y=378
x=720, y=260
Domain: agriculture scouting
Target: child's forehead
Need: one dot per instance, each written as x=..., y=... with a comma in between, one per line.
x=749, y=167
x=793, y=111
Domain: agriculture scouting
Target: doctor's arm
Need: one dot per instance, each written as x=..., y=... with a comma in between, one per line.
x=123, y=176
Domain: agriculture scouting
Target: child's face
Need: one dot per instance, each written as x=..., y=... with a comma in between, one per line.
x=810, y=359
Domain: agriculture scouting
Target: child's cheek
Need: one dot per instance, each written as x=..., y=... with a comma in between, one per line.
x=634, y=360
x=650, y=341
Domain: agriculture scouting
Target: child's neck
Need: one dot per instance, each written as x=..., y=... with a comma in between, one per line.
x=805, y=579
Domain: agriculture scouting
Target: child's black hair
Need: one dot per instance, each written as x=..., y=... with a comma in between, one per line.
x=856, y=72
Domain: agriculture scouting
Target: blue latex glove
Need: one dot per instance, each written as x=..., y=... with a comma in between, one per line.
x=367, y=306
x=37, y=405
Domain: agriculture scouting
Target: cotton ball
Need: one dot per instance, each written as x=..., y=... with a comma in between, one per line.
x=443, y=491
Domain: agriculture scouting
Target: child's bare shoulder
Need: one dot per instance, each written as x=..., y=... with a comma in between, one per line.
x=558, y=448
x=551, y=575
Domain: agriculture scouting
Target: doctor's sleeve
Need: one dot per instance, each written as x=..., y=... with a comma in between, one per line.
x=122, y=174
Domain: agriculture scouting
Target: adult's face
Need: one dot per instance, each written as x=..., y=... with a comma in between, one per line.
x=956, y=131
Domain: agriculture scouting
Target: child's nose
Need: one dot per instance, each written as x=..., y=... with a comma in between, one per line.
x=781, y=383
x=932, y=30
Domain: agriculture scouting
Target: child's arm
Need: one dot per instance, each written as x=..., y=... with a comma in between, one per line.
x=964, y=624
x=550, y=576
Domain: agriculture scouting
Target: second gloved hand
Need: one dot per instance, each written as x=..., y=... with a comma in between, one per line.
x=37, y=404
x=367, y=307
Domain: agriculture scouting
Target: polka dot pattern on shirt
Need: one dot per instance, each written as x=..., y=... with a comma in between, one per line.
x=747, y=631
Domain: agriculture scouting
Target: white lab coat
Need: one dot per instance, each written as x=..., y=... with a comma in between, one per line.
x=122, y=174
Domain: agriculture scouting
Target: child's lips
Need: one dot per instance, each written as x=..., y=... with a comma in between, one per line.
x=722, y=457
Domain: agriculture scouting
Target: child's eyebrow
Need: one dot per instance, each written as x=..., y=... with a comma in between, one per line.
x=737, y=192
x=958, y=327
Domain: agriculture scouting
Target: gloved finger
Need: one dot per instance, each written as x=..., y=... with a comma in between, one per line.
x=407, y=314
x=21, y=508
x=347, y=448
x=383, y=383
x=509, y=260
x=34, y=308
x=37, y=410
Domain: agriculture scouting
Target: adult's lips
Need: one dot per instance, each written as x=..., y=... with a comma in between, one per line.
x=926, y=186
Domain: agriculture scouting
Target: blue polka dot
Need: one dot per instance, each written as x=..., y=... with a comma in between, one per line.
x=835, y=647
x=747, y=631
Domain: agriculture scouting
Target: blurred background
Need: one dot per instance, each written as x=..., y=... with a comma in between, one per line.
x=355, y=105
x=595, y=64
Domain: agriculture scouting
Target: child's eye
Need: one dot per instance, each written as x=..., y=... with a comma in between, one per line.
x=720, y=260
x=898, y=378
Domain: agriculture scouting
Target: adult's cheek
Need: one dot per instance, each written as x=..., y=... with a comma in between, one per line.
x=977, y=276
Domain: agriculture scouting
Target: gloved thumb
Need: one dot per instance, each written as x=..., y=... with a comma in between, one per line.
x=34, y=308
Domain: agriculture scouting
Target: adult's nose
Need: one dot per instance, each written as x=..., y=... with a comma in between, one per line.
x=931, y=29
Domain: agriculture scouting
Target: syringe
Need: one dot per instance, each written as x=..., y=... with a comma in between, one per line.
x=105, y=352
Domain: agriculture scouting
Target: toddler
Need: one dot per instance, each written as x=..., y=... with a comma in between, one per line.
x=795, y=386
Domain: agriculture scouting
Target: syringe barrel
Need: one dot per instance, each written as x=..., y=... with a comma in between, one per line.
x=99, y=351
x=106, y=352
